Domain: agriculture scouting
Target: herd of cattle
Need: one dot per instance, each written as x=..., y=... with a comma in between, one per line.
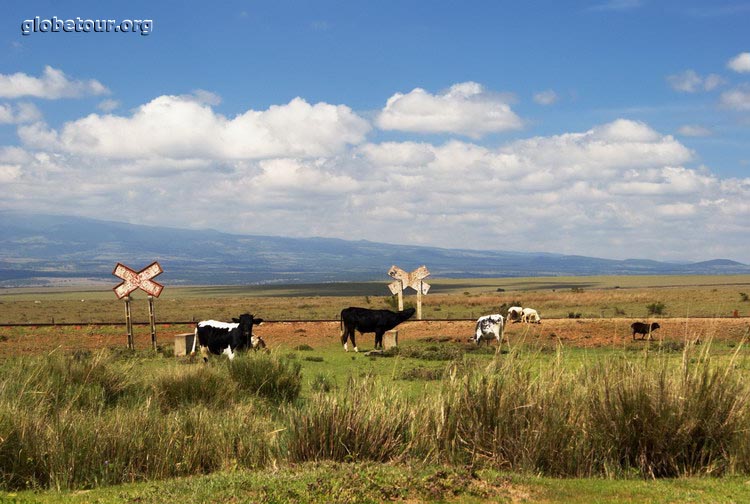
x=228, y=337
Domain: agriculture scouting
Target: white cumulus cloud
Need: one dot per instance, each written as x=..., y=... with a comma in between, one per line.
x=183, y=127
x=19, y=113
x=52, y=84
x=464, y=109
x=740, y=63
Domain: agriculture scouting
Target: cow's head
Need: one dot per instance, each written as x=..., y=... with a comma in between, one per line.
x=246, y=323
x=407, y=314
x=655, y=325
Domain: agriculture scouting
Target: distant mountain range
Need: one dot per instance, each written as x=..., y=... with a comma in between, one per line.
x=53, y=250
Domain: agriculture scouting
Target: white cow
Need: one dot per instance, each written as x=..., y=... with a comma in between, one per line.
x=530, y=316
x=514, y=313
x=489, y=327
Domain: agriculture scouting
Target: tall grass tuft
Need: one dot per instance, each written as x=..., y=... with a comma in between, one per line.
x=509, y=415
x=649, y=415
x=193, y=385
x=87, y=421
x=365, y=421
x=267, y=375
x=665, y=420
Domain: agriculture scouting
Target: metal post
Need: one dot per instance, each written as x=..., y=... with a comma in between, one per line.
x=152, y=320
x=129, y=323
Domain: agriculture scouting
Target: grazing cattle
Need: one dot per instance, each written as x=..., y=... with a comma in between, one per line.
x=224, y=337
x=365, y=320
x=643, y=329
x=530, y=316
x=489, y=327
x=514, y=313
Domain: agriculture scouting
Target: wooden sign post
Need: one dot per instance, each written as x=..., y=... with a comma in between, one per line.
x=415, y=280
x=129, y=323
x=132, y=280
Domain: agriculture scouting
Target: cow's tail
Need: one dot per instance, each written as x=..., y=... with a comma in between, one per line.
x=195, y=338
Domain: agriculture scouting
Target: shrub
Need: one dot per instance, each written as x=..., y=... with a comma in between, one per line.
x=656, y=308
x=744, y=297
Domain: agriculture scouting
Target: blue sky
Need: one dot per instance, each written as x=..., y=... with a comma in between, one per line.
x=616, y=128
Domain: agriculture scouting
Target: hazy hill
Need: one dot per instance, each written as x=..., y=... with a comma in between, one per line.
x=40, y=249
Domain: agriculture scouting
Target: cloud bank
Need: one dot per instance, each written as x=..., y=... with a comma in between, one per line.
x=618, y=189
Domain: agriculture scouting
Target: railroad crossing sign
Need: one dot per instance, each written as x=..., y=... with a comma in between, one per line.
x=415, y=280
x=132, y=280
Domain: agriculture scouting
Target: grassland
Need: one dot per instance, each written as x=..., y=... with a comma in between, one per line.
x=557, y=297
x=664, y=421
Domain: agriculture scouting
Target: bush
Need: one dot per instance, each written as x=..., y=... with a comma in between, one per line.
x=656, y=308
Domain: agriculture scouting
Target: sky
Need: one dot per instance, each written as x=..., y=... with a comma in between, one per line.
x=608, y=128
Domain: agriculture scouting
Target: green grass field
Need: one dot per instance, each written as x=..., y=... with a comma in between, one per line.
x=420, y=374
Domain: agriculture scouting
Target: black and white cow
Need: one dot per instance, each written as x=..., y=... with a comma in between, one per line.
x=225, y=337
x=644, y=329
x=365, y=320
x=489, y=327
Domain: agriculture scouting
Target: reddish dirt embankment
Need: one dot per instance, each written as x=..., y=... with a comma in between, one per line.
x=588, y=333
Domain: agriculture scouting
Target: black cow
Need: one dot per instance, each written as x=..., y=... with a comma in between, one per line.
x=224, y=337
x=644, y=329
x=365, y=320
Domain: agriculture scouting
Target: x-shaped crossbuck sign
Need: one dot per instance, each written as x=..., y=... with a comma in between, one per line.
x=413, y=279
x=132, y=280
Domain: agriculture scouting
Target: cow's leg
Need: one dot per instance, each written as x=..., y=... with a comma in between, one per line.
x=379, y=339
x=344, y=337
x=354, y=343
x=229, y=353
